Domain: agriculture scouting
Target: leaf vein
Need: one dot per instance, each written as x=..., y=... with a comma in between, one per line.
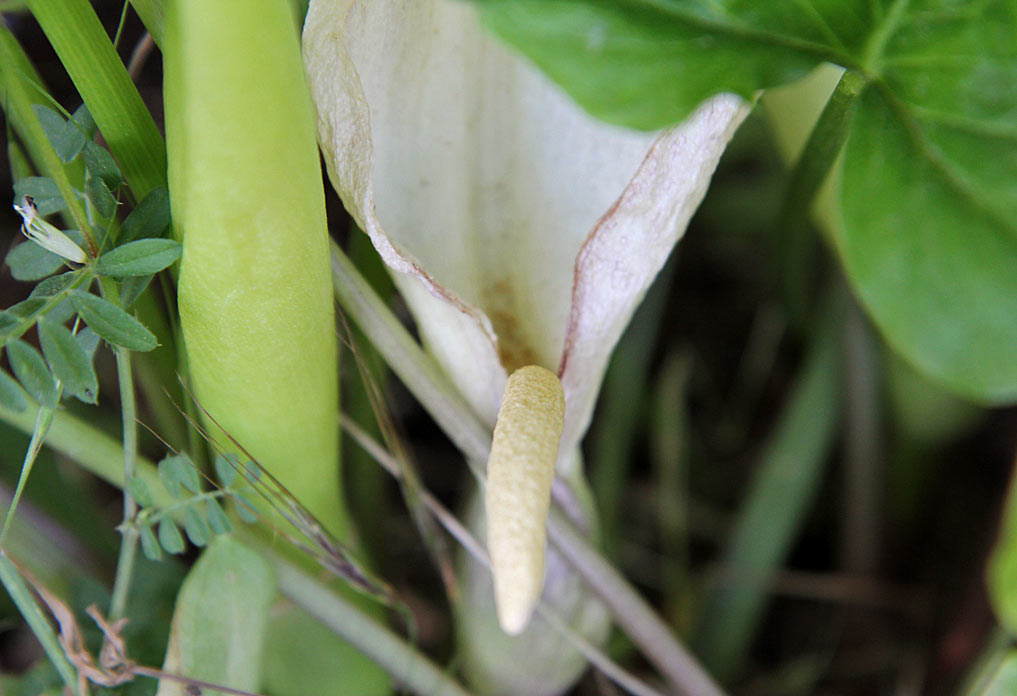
x=954, y=177
x=738, y=30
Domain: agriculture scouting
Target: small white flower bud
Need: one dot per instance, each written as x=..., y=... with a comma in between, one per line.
x=46, y=235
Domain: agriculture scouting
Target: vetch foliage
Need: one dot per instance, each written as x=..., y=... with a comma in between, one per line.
x=200, y=510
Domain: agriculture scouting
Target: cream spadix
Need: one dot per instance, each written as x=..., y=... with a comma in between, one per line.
x=519, y=474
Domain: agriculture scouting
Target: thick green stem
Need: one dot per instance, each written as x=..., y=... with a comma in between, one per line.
x=256, y=308
x=820, y=152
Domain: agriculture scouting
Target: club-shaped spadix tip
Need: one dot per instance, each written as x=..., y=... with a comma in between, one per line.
x=519, y=474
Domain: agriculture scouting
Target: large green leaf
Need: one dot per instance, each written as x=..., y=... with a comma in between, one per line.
x=929, y=197
x=220, y=618
x=648, y=63
x=303, y=656
x=925, y=215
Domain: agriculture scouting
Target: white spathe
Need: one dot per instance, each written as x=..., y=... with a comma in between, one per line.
x=522, y=230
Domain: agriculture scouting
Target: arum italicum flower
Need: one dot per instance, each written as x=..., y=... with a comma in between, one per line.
x=522, y=232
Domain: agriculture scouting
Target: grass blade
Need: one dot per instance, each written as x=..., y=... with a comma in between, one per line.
x=21, y=89
x=405, y=358
x=43, y=419
x=789, y=474
x=153, y=16
x=37, y=621
x=87, y=54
